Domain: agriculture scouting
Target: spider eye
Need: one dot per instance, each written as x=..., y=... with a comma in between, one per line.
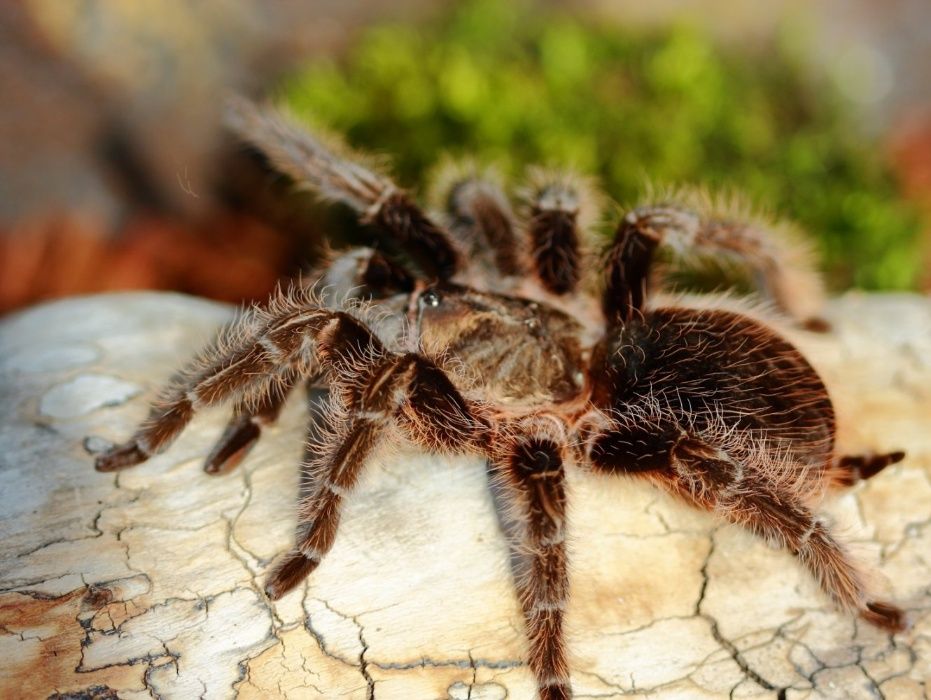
x=430, y=298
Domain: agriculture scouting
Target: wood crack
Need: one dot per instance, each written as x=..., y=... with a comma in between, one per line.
x=166, y=563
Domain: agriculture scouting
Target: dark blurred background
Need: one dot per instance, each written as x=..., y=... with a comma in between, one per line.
x=115, y=172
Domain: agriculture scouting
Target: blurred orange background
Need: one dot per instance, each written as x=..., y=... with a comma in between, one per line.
x=116, y=174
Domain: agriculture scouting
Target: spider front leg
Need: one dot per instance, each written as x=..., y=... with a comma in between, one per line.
x=362, y=273
x=382, y=388
x=237, y=366
x=327, y=166
x=530, y=477
x=234, y=366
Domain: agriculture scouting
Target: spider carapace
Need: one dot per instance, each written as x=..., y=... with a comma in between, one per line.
x=513, y=342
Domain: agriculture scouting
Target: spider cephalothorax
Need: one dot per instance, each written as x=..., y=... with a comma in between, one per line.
x=506, y=343
x=520, y=352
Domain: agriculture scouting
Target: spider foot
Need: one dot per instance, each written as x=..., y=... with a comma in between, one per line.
x=119, y=457
x=816, y=324
x=885, y=616
x=289, y=572
x=240, y=436
x=856, y=468
x=558, y=691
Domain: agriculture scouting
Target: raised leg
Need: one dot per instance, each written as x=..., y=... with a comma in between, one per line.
x=559, y=207
x=329, y=168
x=360, y=273
x=529, y=477
x=695, y=230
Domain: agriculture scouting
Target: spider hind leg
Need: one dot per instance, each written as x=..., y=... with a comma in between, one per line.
x=741, y=494
x=697, y=231
x=853, y=468
x=752, y=495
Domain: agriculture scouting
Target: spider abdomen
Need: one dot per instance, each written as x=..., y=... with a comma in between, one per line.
x=713, y=374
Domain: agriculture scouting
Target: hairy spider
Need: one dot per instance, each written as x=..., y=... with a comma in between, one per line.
x=509, y=345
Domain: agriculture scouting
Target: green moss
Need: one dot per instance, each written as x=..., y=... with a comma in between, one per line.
x=513, y=87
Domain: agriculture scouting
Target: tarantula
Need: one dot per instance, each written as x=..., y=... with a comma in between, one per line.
x=504, y=346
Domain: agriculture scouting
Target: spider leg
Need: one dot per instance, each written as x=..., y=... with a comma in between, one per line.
x=779, y=260
x=260, y=389
x=779, y=516
x=627, y=270
x=557, y=208
x=329, y=168
x=286, y=339
x=235, y=348
x=370, y=385
x=746, y=494
x=334, y=474
x=298, y=334
x=530, y=479
x=853, y=468
x=479, y=216
x=245, y=427
x=407, y=390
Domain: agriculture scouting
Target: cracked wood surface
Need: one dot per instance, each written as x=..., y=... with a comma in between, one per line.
x=147, y=583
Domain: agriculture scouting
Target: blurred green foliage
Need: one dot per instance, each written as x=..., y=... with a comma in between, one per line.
x=513, y=87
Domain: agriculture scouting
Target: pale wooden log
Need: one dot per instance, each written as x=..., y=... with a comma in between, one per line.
x=147, y=583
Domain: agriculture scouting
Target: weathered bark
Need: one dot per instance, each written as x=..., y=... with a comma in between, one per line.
x=148, y=582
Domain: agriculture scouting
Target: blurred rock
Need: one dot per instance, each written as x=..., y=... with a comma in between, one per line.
x=148, y=582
